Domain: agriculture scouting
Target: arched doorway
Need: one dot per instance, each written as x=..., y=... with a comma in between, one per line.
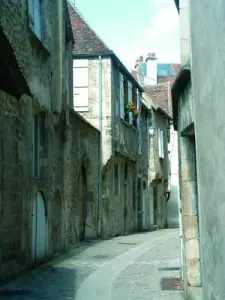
x=82, y=202
x=38, y=228
x=56, y=222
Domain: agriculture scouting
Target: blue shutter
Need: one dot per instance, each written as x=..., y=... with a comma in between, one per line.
x=31, y=13
x=121, y=97
x=37, y=18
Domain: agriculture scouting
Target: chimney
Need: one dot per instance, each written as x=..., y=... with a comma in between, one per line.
x=151, y=63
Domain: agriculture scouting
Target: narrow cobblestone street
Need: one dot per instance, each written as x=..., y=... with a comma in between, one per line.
x=125, y=268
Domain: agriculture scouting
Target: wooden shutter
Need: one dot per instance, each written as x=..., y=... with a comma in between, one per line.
x=31, y=13
x=130, y=91
x=121, y=97
x=37, y=18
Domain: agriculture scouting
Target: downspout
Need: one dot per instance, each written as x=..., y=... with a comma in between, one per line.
x=100, y=150
x=150, y=225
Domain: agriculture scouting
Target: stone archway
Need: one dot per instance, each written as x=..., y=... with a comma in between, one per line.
x=56, y=222
x=82, y=201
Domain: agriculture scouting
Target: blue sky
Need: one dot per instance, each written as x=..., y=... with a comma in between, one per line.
x=135, y=27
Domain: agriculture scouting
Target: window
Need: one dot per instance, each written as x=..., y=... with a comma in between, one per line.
x=125, y=172
x=161, y=143
x=80, y=84
x=35, y=22
x=116, y=179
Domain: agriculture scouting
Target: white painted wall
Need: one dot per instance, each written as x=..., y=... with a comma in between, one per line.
x=173, y=203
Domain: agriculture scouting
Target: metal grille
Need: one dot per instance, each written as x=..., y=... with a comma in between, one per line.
x=171, y=284
x=121, y=243
x=170, y=269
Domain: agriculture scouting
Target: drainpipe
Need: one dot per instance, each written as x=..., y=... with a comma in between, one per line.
x=100, y=150
x=149, y=173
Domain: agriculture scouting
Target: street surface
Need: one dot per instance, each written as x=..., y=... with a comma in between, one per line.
x=124, y=268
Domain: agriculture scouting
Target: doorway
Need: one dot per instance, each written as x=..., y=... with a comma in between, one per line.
x=82, y=202
x=38, y=229
x=155, y=206
x=139, y=205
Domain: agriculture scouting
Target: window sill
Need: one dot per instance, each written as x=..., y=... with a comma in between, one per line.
x=39, y=43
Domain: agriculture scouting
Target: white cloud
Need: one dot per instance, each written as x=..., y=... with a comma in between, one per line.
x=164, y=23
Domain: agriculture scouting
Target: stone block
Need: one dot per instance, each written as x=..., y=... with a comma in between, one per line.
x=191, y=227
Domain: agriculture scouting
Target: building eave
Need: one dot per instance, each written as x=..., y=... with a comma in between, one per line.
x=178, y=88
x=116, y=60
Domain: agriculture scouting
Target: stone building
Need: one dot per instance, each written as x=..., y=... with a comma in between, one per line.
x=198, y=110
x=40, y=171
x=103, y=89
x=156, y=80
x=159, y=177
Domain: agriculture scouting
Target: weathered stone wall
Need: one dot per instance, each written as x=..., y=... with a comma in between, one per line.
x=38, y=61
x=160, y=167
x=84, y=152
x=92, y=116
x=207, y=58
x=118, y=209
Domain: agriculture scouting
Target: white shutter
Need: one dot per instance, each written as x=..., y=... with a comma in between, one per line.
x=81, y=99
x=31, y=13
x=121, y=97
x=161, y=143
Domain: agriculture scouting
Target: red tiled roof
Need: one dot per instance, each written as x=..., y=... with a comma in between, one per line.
x=161, y=94
x=86, y=40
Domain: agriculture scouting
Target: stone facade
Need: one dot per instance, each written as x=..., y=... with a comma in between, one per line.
x=159, y=166
x=46, y=202
x=119, y=148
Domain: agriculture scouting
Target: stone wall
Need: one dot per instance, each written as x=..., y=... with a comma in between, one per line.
x=84, y=153
x=41, y=64
x=119, y=209
x=160, y=166
x=207, y=58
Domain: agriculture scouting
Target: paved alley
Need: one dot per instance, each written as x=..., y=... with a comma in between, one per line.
x=125, y=268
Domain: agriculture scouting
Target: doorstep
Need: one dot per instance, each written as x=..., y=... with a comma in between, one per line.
x=194, y=293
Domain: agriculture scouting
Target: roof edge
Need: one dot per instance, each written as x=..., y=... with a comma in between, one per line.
x=178, y=88
x=116, y=60
x=76, y=114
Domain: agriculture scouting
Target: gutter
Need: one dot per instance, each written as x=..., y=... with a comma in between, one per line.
x=99, y=217
x=178, y=87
